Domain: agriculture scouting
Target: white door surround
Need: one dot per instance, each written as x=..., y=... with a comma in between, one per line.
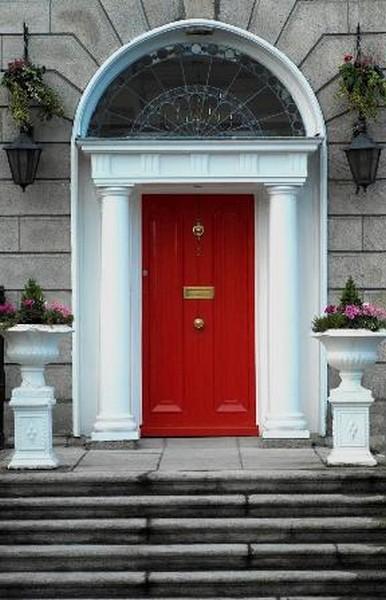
x=288, y=179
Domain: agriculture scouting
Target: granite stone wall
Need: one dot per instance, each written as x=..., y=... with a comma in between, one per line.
x=73, y=37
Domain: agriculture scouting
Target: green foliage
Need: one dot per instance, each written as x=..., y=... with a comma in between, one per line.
x=350, y=313
x=25, y=84
x=332, y=321
x=363, y=85
x=32, y=308
x=350, y=294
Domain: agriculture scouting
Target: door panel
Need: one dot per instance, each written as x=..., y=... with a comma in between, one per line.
x=198, y=381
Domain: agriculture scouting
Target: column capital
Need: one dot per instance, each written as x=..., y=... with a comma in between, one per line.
x=282, y=188
x=115, y=190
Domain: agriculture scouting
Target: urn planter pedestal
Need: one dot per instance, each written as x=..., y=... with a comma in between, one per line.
x=33, y=347
x=350, y=351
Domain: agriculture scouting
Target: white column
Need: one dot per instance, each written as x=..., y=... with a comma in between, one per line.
x=115, y=420
x=285, y=418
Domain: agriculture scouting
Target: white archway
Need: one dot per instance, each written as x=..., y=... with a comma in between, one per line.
x=266, y=162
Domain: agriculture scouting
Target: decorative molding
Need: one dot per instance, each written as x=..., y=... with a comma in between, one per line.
x=132, y=162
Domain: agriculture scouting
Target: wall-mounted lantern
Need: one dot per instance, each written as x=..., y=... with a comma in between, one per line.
x=363, y=156
x=23, y=157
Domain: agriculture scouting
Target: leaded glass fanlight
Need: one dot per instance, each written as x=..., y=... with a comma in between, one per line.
x=196, y=90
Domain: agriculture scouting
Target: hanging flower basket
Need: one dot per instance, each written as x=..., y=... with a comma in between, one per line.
x=27, y=89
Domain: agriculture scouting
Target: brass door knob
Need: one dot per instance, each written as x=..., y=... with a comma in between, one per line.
x=199, y=323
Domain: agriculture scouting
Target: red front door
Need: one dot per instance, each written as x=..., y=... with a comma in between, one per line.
x=198, y=321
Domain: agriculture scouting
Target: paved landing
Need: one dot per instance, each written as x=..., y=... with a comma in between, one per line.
x=187, y=454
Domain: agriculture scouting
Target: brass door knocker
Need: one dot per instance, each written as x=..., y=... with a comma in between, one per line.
x=198, y=230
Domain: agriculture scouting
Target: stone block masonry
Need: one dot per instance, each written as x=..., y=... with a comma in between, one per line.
x=73, y=38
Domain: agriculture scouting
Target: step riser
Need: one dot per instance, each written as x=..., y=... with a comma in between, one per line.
x=193, y=537
x=204, y=590
x=109, y=563
x=373, y=485
x=46, y=513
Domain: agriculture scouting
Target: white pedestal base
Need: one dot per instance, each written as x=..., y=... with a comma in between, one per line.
x=351, y=425
x=351, y=456
x=33, y=428
x=350, y=351
x=33, y=346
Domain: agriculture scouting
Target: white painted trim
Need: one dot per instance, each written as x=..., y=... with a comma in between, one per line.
x=309, y=108
x=261, y=161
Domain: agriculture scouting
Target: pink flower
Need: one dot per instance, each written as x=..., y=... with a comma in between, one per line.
x=373, y=311
x=348, y=58
x=28, y=303
x=62, y=309
x=18, y=63
x=331, y=309
x=7, y=309
x=351, y=311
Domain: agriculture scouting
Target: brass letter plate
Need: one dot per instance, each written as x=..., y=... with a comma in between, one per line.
x=198, y=292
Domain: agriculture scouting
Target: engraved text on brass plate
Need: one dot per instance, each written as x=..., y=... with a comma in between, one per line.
x=198, y=292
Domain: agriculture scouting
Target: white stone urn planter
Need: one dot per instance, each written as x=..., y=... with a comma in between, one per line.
x=33, y=347
x=350, y=351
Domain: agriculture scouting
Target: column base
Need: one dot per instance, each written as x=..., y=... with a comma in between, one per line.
x=114, y=436
x=286, y=427
x=114, y=429
x=351, y=457
x=294, y=434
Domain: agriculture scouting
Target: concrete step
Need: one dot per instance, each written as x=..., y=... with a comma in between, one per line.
x=228, y=505
x=191, y=530
x=271, y=530
x=328, y=481
x=125, y=506
x=195, y=584
x=188, y=557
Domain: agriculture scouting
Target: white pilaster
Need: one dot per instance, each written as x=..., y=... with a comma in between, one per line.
x=285, y=418
x=115, y=419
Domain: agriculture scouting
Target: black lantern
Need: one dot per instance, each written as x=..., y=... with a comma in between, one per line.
x=363, y=156
x=23, y=158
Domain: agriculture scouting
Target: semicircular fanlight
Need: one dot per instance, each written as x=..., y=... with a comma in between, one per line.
x=197, y=91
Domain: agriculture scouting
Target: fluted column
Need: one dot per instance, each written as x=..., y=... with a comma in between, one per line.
x=285, y=418
x=115, y=419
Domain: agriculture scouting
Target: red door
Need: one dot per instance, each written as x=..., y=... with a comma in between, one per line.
x=198, y=321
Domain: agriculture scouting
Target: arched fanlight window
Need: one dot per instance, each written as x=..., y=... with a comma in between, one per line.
x=196, y=90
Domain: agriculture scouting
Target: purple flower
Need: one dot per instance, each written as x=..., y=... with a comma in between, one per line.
x=351, y=311
x=7, y=309
x=331, y=309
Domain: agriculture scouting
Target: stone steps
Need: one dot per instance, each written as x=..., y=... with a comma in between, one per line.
x=227, y=505
x=189, y=557
x=194, y=584
x=276, y=535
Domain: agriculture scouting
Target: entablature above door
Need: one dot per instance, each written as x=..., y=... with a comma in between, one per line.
x=134, y=162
